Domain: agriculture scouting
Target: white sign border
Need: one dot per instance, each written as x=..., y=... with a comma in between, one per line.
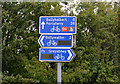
x=56, y=61
x=58, y=33
x=55, y=47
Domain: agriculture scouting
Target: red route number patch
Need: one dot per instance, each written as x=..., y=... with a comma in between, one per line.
x=63, y=28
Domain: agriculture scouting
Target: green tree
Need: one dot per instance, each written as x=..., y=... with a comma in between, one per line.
x=97, y=43
x=20, y=39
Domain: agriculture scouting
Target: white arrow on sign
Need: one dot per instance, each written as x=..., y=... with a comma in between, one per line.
x=43, y=23
x=42, y=40
x=70, y=55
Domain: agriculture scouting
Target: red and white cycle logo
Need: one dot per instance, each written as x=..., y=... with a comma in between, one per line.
x=71, y=28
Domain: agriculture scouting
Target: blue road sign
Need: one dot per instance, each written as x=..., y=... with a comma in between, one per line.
x=56, y=40
x=56, y=55
x=57, y=24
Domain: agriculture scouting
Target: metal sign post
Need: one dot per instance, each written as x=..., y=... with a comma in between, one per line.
x=58, y=73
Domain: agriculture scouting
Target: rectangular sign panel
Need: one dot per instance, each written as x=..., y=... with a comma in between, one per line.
x=56, y=55
x=56, y=40
x=57, y=24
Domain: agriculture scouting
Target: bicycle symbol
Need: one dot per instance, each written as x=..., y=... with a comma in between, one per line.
x=51, y=42
x=55, y=29
x=59, y=56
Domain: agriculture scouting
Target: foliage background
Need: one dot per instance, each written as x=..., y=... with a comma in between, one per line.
x=97, y=50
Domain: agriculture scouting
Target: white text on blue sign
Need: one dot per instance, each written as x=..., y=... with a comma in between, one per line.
x=56, y=40
x=57, y=24
x=56, y=55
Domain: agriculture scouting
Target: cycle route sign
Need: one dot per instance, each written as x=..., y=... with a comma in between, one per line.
x=56, y=55
x=56, y=40
x=57, y=24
